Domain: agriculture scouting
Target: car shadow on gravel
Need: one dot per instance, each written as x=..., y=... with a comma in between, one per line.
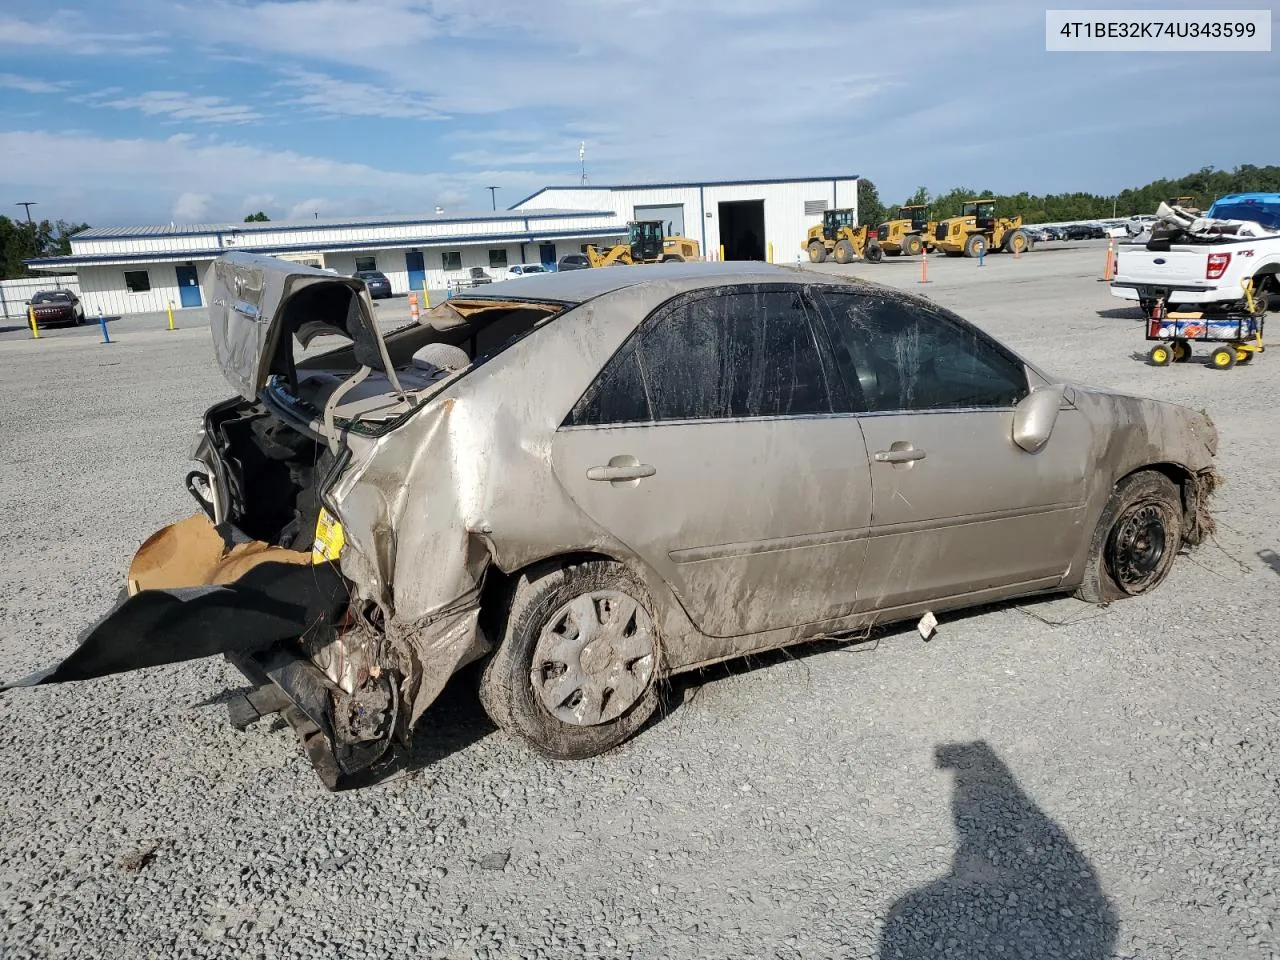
x=1018, y=886
x=1122, y=313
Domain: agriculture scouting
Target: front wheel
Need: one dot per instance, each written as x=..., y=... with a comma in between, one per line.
x=912, y=246
x=817, y=252
x=575, y=673
x=1137, y=538
x=844, y=252
x=975, y=246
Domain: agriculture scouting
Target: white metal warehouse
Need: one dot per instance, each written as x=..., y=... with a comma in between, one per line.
x=733, y=219
x=125, y=270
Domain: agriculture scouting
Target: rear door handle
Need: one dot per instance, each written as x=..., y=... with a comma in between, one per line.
x=898, y=456
x=614, y=473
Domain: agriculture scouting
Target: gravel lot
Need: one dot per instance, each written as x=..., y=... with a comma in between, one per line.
x=1039, y=780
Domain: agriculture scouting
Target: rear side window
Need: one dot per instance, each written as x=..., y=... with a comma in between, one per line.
x=901, y=356
x=735, y=355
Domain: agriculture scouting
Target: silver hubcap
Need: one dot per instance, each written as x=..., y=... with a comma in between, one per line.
x=594, y=658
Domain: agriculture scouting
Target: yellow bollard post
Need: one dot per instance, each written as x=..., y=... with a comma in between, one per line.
x=771, y=251
x=31, y=317
x=171, y=315
x=722, y=252
x=426, y=297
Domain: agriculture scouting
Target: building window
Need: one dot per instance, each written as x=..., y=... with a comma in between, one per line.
x=497, y=258
x=366, y=263
x=137, y=281
x=451, y=259
x=814, y=208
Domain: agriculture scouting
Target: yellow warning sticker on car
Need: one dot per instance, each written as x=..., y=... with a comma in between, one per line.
x=329, y=538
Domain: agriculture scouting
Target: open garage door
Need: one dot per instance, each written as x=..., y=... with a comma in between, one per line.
x=742, y=229
x=671, y=215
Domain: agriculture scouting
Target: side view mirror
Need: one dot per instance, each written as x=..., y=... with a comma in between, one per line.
x=1035, y=415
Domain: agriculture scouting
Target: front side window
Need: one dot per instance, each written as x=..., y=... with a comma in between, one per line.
x=736, y=355
x=497, y=258
x=137, y=281
x=901, y=356
x=366, y=263
x=451, y=260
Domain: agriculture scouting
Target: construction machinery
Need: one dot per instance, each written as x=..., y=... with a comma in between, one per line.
x=646, y=243
x=907, y=232
x=978, y=230
x=840, y=238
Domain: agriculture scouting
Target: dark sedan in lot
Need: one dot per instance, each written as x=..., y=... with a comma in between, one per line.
x=377, y=282
x=1084, y=231
x=57, y=307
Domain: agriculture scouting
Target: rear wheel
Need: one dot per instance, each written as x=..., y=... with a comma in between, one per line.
x=844, y=252
x=1017, y=242
x=575, y=672
x=817, y=252
x=1136, y=541
x=1160, y=355
x=1224, y=358
x=975, y=246
x=912, y=246
x=1243, y=355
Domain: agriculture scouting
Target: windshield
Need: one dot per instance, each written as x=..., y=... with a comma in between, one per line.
x=49, y=296
x=1265, y=213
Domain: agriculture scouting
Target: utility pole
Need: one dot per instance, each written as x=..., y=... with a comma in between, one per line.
x=28, y=204
x=582, y=159
x=493, y=196
x=1113, y=206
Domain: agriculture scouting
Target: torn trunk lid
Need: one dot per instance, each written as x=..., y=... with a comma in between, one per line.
x=257, y=304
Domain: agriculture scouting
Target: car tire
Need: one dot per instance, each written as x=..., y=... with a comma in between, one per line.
x=544, y=620
x=874, y=252
x=1136, y=540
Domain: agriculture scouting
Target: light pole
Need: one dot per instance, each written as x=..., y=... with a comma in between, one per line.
x=493, y=196
x=28, y=204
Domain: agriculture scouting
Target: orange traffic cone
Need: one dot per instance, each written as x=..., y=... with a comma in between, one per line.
x=1109, y=271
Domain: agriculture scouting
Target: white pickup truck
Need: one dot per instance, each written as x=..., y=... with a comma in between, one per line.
x=1205, y=266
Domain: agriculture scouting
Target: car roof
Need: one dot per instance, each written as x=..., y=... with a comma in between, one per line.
x=578, y=286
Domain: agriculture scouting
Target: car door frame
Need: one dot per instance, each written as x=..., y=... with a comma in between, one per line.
x=842, y=412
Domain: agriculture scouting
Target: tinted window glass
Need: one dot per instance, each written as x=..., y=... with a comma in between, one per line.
x=717, y=357
x=904, y=357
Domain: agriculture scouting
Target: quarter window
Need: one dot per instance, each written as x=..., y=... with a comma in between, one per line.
x=744, y=354
x=137, y=281
x=903, y=357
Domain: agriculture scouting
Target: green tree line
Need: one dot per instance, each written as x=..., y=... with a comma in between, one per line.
x=1204, y=186
x=21, y=240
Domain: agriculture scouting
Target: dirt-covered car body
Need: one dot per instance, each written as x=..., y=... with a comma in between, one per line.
x=384, y=509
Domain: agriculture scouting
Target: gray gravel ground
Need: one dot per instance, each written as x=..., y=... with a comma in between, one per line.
x=1040, y=780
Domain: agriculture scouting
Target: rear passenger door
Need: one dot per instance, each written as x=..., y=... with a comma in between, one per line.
x=957, y=507
x=718, y=444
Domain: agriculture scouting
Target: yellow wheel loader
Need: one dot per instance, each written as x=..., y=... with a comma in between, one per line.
x=841, y=239
x=645, y=244
x=908, y=233
x=978, y=231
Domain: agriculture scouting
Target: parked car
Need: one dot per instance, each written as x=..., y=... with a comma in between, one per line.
x=702, y=462
x=1083, y=231
x=523, y=270
x=377, y=282
x=57, y=307
x=574, y=261
x=477, y=276
x=1053, y=233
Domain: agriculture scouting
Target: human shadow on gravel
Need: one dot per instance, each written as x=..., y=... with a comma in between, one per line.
x=1018, y=887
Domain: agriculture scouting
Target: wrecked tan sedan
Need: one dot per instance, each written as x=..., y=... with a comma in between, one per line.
x=600, y=478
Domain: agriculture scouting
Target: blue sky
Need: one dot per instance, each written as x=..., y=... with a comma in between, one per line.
x=145, y=111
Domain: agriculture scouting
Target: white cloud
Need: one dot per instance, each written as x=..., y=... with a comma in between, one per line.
x=12, y=81
x=333, y=97
x=177, y=106
x=191, y=207
x=68, y=31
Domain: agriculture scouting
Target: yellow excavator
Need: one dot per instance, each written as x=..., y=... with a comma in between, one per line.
x=978, y=230
x=646, y=243
x=840, y=238
x=908, y=232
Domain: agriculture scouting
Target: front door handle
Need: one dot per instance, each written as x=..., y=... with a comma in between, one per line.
x=621, y=472
x=906, y=455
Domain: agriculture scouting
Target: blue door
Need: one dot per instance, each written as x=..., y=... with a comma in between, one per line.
x=189, y=286
x=413, y=262
x=547, y=254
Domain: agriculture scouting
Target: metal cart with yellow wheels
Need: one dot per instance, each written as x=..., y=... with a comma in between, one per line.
x=1240, y=336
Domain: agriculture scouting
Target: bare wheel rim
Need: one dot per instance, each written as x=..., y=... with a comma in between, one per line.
x=1137, y=549
x=594, y=658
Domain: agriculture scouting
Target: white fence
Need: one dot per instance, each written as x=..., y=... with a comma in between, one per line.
x=14, y=294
